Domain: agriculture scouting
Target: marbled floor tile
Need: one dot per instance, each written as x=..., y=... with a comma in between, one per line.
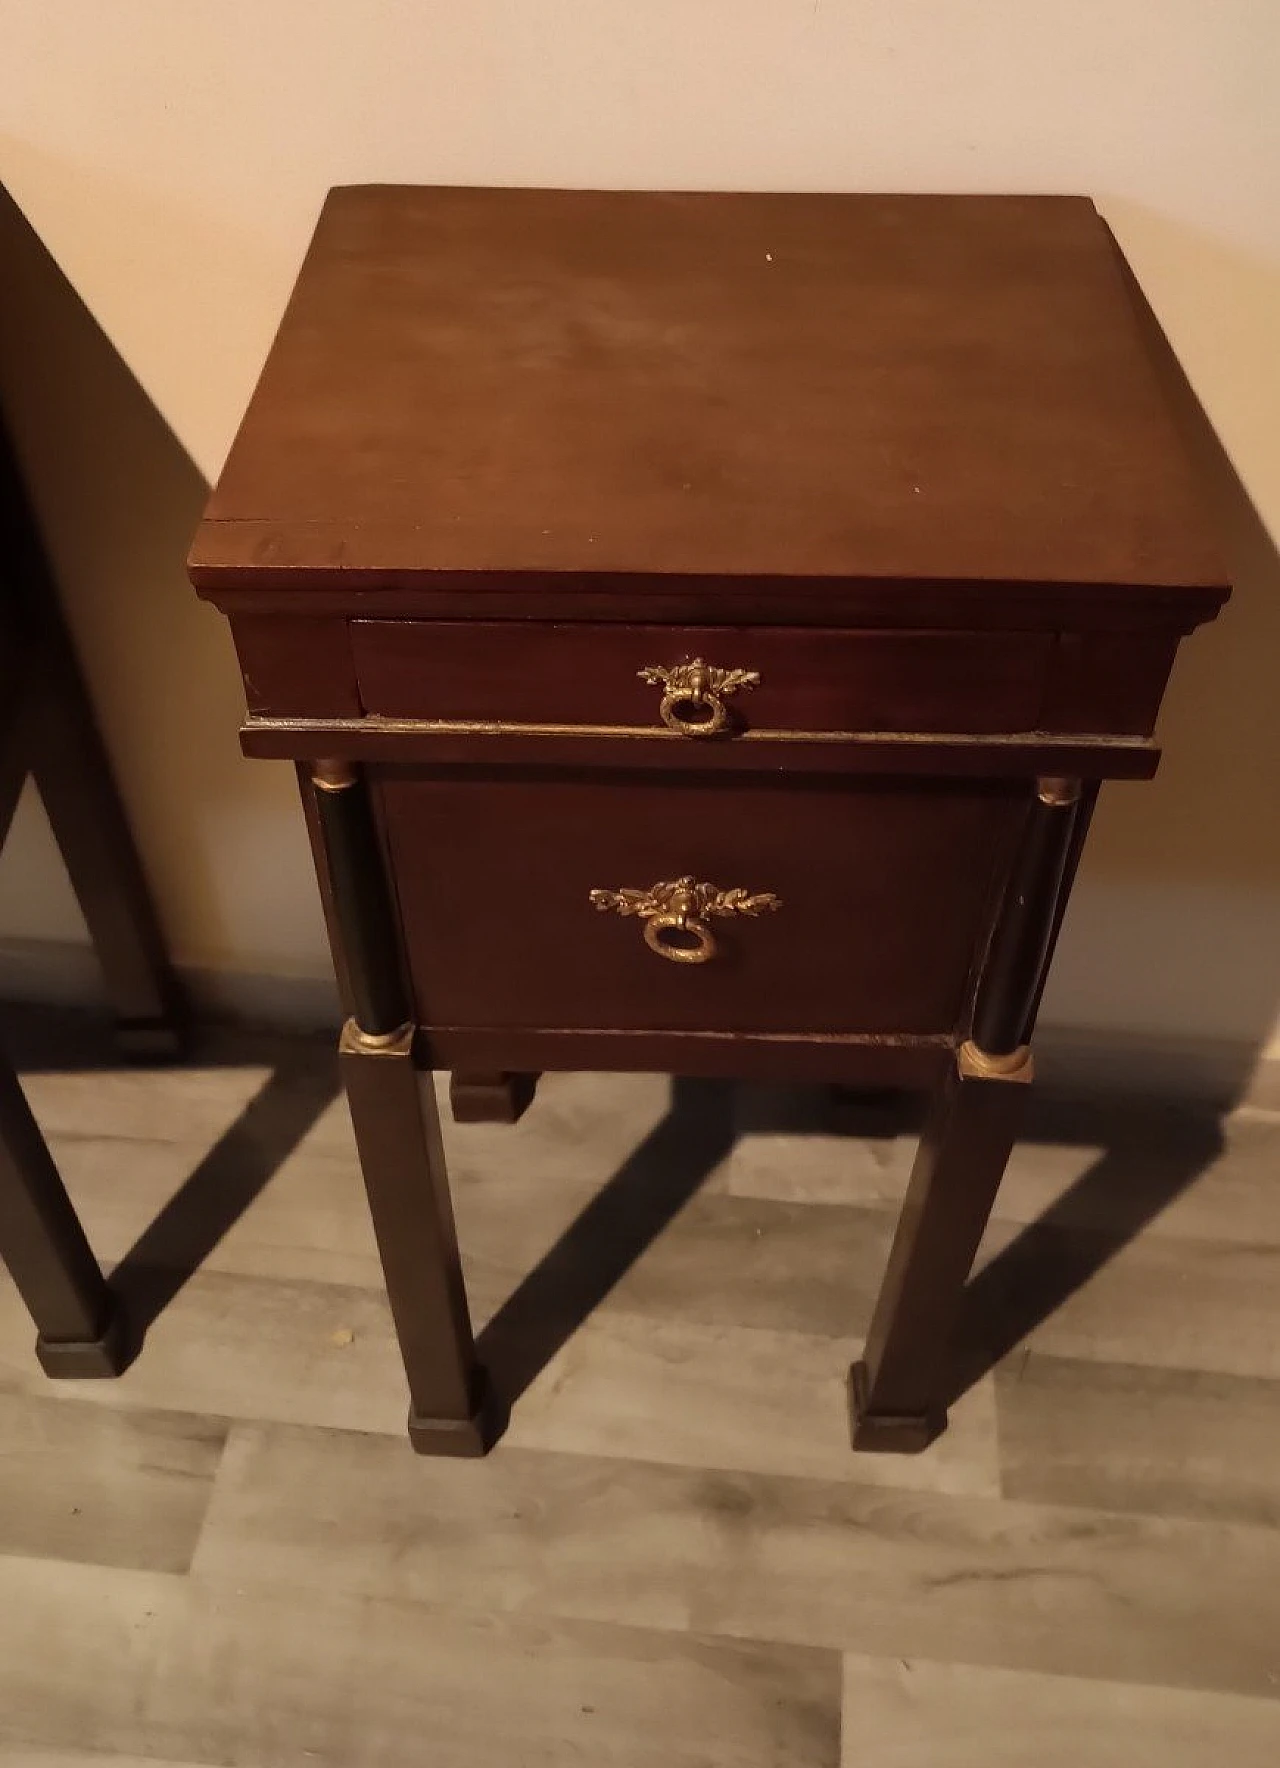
x=908, y=1714
x=1171, y=1442
x=892, y=1573
x=114, y=1488
x=154, y=1666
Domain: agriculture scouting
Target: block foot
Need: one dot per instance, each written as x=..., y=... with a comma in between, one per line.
x=491, y=1098
x=87, y=1359
x=468, y=1438
x=888, y=1433
x=149, y=1040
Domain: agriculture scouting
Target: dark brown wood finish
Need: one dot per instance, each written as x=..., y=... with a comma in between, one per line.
x=73, y=776
x=490, y=1096
x=934, y=604
x=1029, y=916
x=48, y=732
x=929, y=754
x=1108, y=681
x=397, y=1131
x=296, y=668
x=862, y=1060
x=908, y=459
x=729, y=385
x=1080, y=824
x=358, y=896
x=504, y=933
x=315, y=836
x=393, y=1112
x=52, y=734
x=44, y=1249
x=13, y=748
x=897, y=1390
x=809, y=679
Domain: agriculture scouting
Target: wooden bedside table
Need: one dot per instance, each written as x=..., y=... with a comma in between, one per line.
x=702, y=623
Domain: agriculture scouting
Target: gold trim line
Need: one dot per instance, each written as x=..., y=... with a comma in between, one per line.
x=681, y=906
x=700, y=688
x=375, y=725
x=986, y=1066
x=1057, y=793
x=355, y=1037
x=333, y=776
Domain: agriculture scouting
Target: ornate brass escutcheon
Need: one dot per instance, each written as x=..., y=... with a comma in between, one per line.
x=675, y=914
x=694, y=694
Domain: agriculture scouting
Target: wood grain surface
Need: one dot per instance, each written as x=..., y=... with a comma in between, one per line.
x=620, y=384
x=810, y=679
x=494, y=877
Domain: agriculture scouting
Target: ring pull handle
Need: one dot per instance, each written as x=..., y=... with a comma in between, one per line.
x=694, y=695
x=684, y=939
x=675, y=914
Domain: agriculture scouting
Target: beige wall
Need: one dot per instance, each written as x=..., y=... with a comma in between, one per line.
x=172, y=154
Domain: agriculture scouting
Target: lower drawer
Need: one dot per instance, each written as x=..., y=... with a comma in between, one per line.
x=880, y=897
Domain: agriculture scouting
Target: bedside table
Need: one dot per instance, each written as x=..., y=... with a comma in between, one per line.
x=702, y=624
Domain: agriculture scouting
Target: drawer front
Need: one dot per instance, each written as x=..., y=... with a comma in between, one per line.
x=882, y=893
x=646, y=677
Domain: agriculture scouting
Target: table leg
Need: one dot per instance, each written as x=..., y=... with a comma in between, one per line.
x=47, y=1255
x=898, y=1391
x=76, y=786
x=49, y=730
x=397, y=1129
x=490, y=1098
x=393, y=1111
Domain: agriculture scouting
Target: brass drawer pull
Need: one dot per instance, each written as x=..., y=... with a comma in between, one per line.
x=674, y=914
x=694, y=694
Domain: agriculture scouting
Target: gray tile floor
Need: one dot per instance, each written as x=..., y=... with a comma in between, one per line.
x=230, y=1556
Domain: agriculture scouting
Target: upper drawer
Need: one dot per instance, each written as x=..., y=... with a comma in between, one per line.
x=701, y=681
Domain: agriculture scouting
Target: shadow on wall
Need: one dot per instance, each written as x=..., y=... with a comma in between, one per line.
x=118, y=500
x=1177, y=911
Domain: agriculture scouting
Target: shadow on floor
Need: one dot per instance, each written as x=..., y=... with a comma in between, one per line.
x=1151, y=1153
x=601, y=1245
x=302, y=1081
x=220, y=1189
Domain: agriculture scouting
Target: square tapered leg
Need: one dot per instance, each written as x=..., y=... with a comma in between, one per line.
x=397, y=1130
x=47, y=1255
x=898, y=1389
